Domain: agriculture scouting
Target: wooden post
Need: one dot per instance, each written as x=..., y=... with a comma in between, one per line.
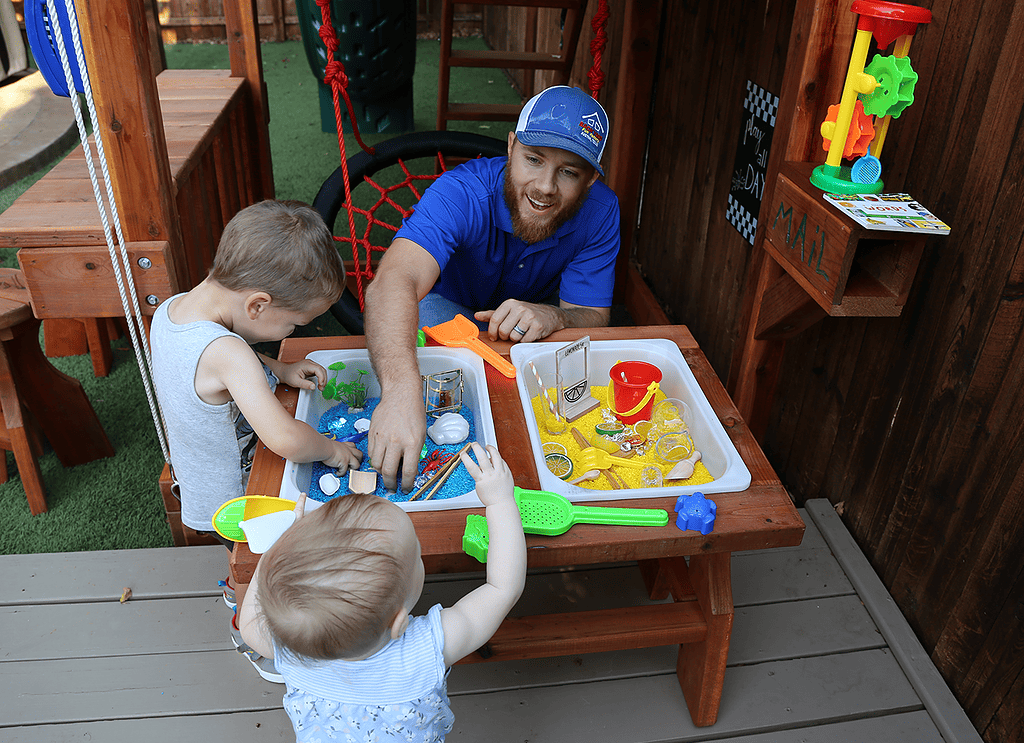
x=629, y=118
x=243, y=33
x=815, y=63
x=115, y=37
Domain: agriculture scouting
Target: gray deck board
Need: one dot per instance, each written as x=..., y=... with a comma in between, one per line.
x=810, y=660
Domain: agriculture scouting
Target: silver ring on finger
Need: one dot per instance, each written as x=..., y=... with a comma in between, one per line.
x=519, y=330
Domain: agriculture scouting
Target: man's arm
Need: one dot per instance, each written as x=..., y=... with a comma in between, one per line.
x=538, y=321
x=398, y=427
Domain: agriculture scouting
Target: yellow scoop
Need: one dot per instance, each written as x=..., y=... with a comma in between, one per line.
x=593, y=458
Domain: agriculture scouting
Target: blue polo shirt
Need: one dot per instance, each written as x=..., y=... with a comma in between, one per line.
x=464, y=223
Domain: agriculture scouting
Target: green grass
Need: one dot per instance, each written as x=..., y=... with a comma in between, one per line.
x=115, y=503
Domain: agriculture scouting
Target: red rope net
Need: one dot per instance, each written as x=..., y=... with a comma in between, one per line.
x=334, y=75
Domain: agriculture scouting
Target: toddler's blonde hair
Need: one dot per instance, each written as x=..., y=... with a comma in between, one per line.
x=332, y=585
x=283, y=248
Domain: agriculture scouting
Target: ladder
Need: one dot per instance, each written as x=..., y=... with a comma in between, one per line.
x=561, y=62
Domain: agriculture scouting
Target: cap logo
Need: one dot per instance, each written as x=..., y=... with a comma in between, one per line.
x=591, y=129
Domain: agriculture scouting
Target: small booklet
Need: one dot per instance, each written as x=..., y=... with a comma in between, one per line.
x=894, y=212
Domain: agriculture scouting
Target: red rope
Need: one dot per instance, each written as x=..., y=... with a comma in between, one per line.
x=598, y=23
x=334, y=75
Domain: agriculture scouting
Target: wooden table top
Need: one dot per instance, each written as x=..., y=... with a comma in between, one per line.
x=760, y=517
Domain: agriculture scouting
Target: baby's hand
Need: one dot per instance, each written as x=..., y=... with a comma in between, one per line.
x=344, y=455
x=304, y=375
x=493, y=477
x=300, y=506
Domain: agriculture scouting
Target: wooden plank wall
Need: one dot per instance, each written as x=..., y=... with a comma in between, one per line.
x=912, y=424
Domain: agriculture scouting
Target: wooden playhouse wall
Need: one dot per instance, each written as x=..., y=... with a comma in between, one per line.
x=913, y=423
x=913, y=426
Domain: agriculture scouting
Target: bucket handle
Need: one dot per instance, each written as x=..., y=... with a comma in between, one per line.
x=652, y=388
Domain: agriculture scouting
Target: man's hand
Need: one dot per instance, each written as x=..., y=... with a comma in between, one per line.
x=520, y=322
x=523, y=322
x=398, y=429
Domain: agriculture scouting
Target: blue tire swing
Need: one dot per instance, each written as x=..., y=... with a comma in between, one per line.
x=39, y=27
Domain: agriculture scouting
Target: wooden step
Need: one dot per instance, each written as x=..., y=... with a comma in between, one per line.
x=517, y=60
x=482, y=112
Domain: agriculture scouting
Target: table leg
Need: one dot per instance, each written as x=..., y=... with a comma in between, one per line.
x=24, y=456
x=701, y=666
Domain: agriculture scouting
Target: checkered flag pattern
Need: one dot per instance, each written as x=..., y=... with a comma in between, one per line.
x=760, y=102
x=741, y=219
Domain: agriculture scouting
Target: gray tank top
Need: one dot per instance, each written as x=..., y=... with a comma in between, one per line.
x=211, y=445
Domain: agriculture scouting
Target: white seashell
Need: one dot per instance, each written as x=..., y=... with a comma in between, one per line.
x=450, y=428
x=329, y=483
x=363, y=424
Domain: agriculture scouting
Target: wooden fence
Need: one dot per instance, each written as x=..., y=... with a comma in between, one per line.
x=191, y=21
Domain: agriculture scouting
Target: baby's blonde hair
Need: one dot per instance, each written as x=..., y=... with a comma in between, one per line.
x=283, y=248
x=332, y=585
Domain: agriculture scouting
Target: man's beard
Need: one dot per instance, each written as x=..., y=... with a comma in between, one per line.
x=533, y=228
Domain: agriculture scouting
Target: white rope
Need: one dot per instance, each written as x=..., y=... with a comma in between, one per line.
x=119, y=259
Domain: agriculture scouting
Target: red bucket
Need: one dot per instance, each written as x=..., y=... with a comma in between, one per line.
x=631, y=384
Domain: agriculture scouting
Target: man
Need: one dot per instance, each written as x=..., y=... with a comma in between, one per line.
x=500, y=241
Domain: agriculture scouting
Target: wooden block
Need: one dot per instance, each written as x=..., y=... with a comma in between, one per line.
x=79, y=281
x=362, y=482
x=64, y=337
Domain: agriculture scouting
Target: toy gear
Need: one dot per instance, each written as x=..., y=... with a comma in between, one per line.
x=862, y=131
x=895, y=91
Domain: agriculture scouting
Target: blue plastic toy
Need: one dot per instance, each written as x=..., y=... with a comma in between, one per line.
x=42, y=41
x=695, y=512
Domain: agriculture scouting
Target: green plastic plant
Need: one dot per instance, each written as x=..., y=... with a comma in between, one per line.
x=352, y=393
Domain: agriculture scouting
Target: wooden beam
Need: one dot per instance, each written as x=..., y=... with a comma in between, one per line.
x=79, y=281
x=629, y=122
x=243, y=33
x=815, y=63
x=786, y=310
x=115, y=37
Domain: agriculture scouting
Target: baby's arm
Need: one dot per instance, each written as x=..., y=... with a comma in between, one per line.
x=473, y=619
x=237, y=367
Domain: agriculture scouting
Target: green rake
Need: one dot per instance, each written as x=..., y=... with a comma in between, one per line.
x=551, y=514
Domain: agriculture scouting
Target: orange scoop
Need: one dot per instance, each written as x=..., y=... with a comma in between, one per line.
x=462, y=332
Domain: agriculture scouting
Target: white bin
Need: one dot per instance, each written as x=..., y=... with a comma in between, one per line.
x=717, y=451
x=311, y=406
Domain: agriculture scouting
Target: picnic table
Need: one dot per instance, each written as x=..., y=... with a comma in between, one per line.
x=692, y=568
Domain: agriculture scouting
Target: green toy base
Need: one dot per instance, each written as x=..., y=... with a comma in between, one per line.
x=837, y=180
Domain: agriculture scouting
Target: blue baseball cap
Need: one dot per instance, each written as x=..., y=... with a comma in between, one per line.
x=566, y=118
